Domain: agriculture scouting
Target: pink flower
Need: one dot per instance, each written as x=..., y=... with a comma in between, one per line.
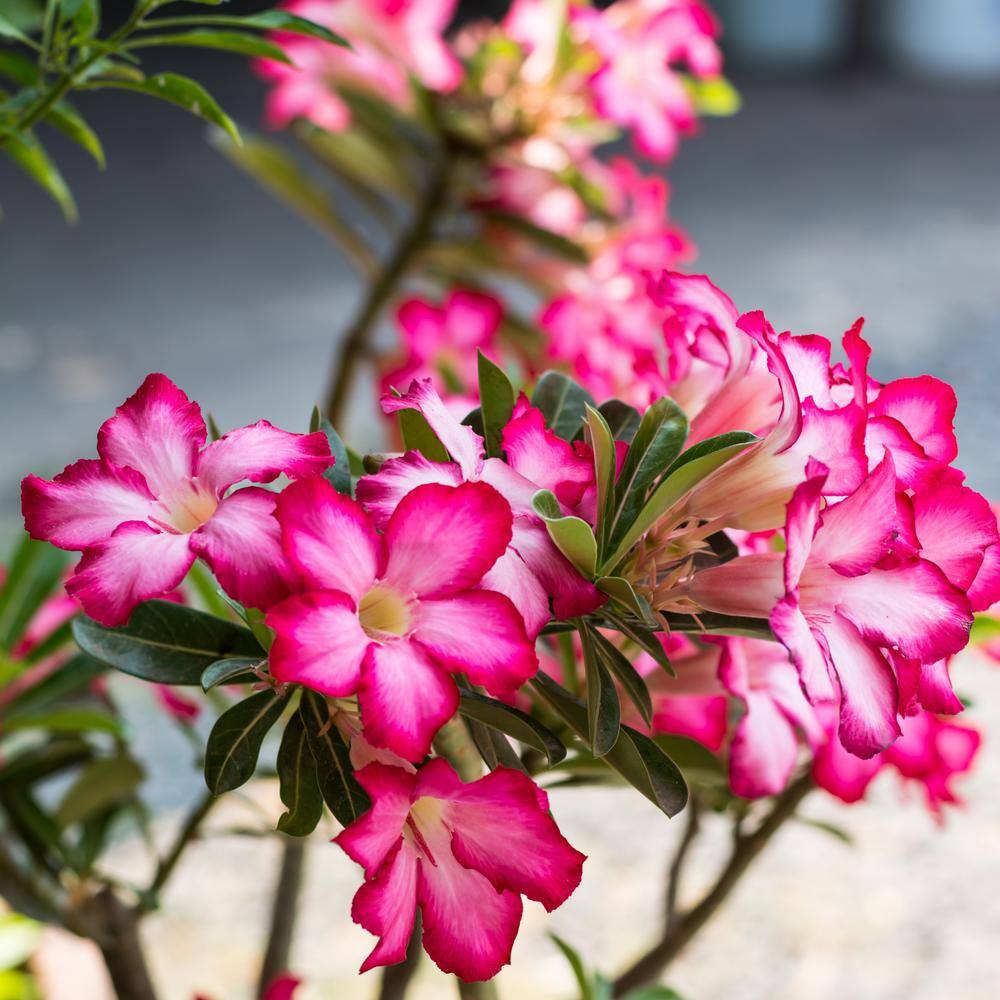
x=463, y=853
x=441, y=341
x=389, y=617
x=389, y=40
x=157, y=498
x=841, y=598
x=532, y=571
x=930, y=752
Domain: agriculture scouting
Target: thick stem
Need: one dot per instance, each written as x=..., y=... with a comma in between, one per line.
x=746, y=848
x=284, y=910
x=396, y=979
x=677, y=865
x=391, y=274
x=119, y=942
x=187, y=833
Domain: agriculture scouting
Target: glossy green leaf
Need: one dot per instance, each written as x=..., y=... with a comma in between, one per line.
x=712, y=623
x=101, y=784
x=603, y=707
x=34, y=573
x=230, y=670
x=166, y=643
x=621, y=418
x=227, y=41
x=299, y=783
x=497, y=403
x=621, y=591
x=179, y=90
x=643, y=636
x=236, y=738
x=418, y=436
x=619, y=665
x=27, y=152
x=339, y=474
x=572, y=535
x=513, y=722
x=563, y=403
x=602, y=445
x=634, y=756
x=493, y=747
x=268, y=20
x=66, y=719
x=346, y=799
x=68, y=120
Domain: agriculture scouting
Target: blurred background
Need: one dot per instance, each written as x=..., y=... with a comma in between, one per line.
x=861, y=177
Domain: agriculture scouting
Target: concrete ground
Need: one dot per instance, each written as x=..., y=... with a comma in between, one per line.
x=818, y=203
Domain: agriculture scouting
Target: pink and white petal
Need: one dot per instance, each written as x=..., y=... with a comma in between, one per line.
x=801, y=522
x=763, y=750
x=442, y=539
x=857, y=532
x=480, y=634
x=387, y=905
x=985, y=589
x=469, y=927
x=463, y=444
x=512, y=486
x=318, y=642
x=843, y=774
x=955, y=526
x=511, y=577
x=912, y=608
x=157, y=431
x=808, y=358
x=405, y=698
x=572, y=595
x=926, y=407
x=501, y=830
x=241, y=542
x=370, y=838
x=422, y=324
x=806, y=649
x=381, y=492
x=84, y=504
x=869, y=697
x=541, y=457
x=137, y=563
x=329, y=537
x=837, y=439
x=749, y=586
x=934, y=690
x=261, y=453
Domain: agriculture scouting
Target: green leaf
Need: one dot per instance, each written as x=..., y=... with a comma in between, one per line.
x=644, y=637
x=823, y=826
x=68, y=120
x=656, y=444
x=497, y=396
x=513, y=722
x=618, y=588
x=17, y=67
x=236, y=738
x=603, y=707
x=65, y=720
x=346, y=799
x=714, y=96
x=493, y=747
x=35, y=572
x=691, y=756
x=545, y=239
x=418, y=436
x=572, y=535
x=563, y=403
x=619, y=665
x=576, y=964
x=602, y=445
x=634, y=756
x=166, y=643
x=10, y=30
x=19, y=937
x=712, y=623
x=985, y=628
x=653, y=993
x=27, y=152
x=101, y=784
x=230, y=670
x=299, y=782
x=85, y=15
x=227, y=41
x=183, y=92
x=278, y=20
x=339, y=474
x=621, y=418
x=40, y=762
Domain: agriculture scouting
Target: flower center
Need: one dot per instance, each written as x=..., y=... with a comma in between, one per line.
x=425, y=826
x=385, y=614
x=189, y=508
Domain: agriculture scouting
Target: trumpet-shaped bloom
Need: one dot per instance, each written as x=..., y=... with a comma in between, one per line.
x=840, y=597
x=157, y=497
x=389, y=617
x=465, y=854
x=532, y=572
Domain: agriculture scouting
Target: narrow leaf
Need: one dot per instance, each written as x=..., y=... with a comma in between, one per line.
x=563, y=403
x=101, y=784
x=227, y=41
x=236, y=738
x=547, y=240
x=339, y=474
x=35, y=571
x=230, y=670
x=618, y=664
x=621, y=418
x=513, y=722
x=603, y=707
x=69, y=121
x=497, y=403
x=418, y=436
x=602, y=445
x=28, y=154
x=299, y=784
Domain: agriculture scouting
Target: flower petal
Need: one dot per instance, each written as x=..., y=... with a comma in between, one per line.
x=382, y=492
x=442, y=539
x=329, y=537
x=926, y=407
x=261, y=453
x=480, y=634
x=405, y=698
x=318, y=642
x=763, y=750
x=157, y=431
x=84, y=504
x=805, y=649
x=371, y=837
x=512, y=578
x=135, y=564
x=241, y=542
x=387, y=905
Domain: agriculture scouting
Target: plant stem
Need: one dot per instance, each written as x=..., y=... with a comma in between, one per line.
x=477, y=991
x=677, y=865
x=410, y=242
x=118, y=939
x=745, y=849
x=396, y=978
x=284, y=910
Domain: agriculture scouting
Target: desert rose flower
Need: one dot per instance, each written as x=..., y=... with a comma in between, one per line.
x=158, y=497
x=389, y=617
x=465, y=854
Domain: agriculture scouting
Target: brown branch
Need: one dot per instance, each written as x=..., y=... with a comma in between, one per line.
x=396, y=979
x=284, y=910
x=746, y=848
x=691, y=831
x=118, y=938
